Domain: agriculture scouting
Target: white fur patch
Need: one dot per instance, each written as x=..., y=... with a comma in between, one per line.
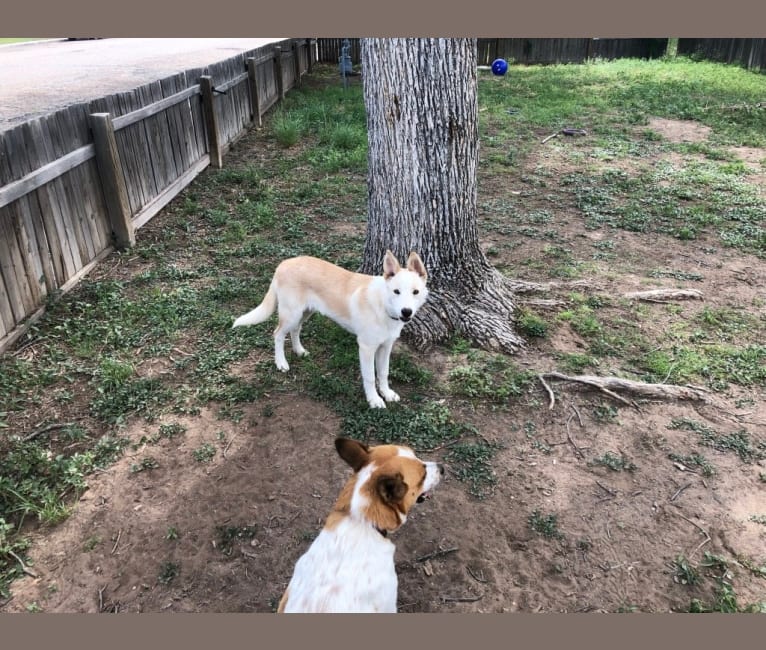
x=347, y=569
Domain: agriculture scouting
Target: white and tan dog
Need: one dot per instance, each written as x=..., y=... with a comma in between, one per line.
x=349, y=567
x=375, y=308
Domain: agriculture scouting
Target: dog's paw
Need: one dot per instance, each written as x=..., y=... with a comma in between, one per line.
x=283, y=366
x=376, y=402
x=301, y=352
x=390, y=396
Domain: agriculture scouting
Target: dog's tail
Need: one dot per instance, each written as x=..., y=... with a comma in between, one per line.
x=261, y=312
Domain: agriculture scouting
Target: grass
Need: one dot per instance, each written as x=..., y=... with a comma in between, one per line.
x=158, y=344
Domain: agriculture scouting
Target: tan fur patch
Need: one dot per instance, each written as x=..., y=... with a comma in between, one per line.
x=283, y=601
x=303, y=277
x=388, y=465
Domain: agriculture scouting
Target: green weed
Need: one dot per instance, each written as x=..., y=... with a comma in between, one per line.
x=205, y=453
x=614, y=462
x=695, y=460
x=684, y=573
x=169, y=571
x=545, y=525
x=471, y=462
x=738, y=441
x=228, y=536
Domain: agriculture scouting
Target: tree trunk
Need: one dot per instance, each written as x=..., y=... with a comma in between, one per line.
x=422, y=121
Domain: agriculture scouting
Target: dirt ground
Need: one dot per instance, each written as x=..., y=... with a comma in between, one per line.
x=278, y=475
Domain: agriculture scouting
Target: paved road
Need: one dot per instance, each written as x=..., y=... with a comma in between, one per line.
x=40, y=77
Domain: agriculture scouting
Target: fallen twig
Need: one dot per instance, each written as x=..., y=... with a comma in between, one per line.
x=679, y=490
x=573, y=443
x=119, y=534
x=606, y=489
x=24, y=567
x=461, y=599
x=446, y=444
x=550, y=137
x=101, y=599
x=438, y=553
x=223, y=453
x=46, y=429
x=474, y=576
x=698, y=527
x=579, y=415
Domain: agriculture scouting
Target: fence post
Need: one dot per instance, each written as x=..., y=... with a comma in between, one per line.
x=312, y=42
x=255, y=93
x=211, y=122
x=280, y=72
x=112, y=180
x=297, y=62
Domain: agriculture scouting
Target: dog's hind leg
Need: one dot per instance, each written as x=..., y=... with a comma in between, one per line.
x=295, y=336
x=288, y=322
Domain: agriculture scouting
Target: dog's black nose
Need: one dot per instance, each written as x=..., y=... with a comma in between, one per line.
x=406, y=313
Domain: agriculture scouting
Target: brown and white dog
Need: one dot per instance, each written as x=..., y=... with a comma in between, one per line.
x=350, y=565
x=375, y=308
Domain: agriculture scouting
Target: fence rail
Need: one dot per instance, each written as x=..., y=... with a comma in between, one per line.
x=78, y=182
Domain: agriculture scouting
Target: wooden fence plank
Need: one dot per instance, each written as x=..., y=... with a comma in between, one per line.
x=198, y=141
x=180, y=129
x=133, y=152
x=158, y=134
x=86, y=177
x=13, y=272
x=76, y=190
x=69, y=200
x=253, y=85
x=57, y=224
x=6, y=315
x=52, y=264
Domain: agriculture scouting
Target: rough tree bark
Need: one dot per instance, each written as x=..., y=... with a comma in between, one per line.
x=422, y=121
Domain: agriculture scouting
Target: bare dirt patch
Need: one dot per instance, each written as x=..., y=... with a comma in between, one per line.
x=680, y=130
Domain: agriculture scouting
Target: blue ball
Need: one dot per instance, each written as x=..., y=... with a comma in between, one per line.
x=499, y=67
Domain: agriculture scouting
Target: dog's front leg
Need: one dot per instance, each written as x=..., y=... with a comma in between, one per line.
x=382, y=356
x=367, y=364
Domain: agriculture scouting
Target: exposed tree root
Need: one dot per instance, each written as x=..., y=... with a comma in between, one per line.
x=484, y=316
x=665, y=295
x=609, y=386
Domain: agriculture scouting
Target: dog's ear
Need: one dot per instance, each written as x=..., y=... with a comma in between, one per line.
x=391, y=488
x=415, y=264
x=354, y=453
x=391, y=265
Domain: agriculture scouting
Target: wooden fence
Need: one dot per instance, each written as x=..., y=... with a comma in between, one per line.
x=77, y=183
x=567, y=50
x=530, y=50
x=748, y=52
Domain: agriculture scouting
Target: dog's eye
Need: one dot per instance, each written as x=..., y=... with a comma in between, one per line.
x=397, y=292
x=416, y=292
